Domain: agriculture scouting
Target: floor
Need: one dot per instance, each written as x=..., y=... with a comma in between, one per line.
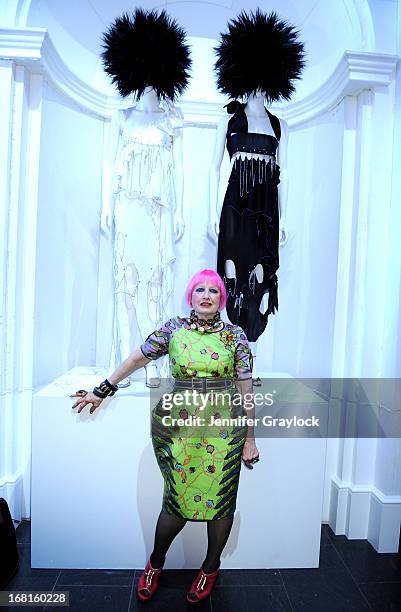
x=351, y=576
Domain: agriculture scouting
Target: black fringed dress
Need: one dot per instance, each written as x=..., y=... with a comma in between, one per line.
x=249, y=223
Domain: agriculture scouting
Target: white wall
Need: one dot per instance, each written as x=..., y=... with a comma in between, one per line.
x=308, y=262
x=68, y=237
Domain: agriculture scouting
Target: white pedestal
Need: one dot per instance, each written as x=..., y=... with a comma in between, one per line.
x=97, y=489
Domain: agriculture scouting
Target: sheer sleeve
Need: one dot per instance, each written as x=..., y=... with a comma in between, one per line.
x=243, y=360
x=157, y=343
x=174, y=115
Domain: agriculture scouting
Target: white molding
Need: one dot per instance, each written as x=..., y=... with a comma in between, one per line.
x=365, y=512
x=360, y=14
x=201, y=113
x=371, y=489
x=384, y=524
x=355, y=72
x=15, y=12
x=34, y=48
x=22, y=43
x=22, y=12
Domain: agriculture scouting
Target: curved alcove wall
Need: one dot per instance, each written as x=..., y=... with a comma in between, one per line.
x=328, y=28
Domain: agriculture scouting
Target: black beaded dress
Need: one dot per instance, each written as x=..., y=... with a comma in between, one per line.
x=249, y=223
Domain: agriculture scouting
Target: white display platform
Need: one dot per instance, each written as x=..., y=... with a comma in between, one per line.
x=97, y=489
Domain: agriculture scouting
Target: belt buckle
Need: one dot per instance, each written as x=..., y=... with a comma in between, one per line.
x=210, y=384
x=214, y=384
x=195, y=384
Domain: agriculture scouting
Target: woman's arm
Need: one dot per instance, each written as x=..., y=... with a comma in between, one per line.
x=245, y=389
x=155, y=345
x=250, y=452
x=133, y=362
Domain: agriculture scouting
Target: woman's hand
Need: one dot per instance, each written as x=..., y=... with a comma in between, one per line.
x=250, y=453
x=85, y=398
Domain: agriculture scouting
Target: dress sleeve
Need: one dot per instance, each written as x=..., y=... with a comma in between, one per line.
x=243, y=360
x=174, y=116
x=157, y=343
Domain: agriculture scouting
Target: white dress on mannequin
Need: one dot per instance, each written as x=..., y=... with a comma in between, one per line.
x=143, y=252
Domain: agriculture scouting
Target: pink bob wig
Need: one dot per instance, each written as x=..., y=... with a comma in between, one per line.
x=210, y=277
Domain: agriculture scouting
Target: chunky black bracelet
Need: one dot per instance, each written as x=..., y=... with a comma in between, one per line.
x=105, y=389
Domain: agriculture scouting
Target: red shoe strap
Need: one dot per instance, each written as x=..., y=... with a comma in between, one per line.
x=203, y=578
x=201, y=583
x=149, y=577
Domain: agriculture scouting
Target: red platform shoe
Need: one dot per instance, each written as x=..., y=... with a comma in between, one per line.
x=202, y=586
x=148, y=582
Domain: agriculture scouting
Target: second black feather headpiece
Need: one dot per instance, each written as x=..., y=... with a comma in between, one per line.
x=259, y=51
x=147, y=49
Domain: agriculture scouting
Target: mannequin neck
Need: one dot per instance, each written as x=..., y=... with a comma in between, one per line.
x=256, y=104
x=149, y=102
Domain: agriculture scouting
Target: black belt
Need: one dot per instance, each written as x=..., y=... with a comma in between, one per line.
x=203, y=384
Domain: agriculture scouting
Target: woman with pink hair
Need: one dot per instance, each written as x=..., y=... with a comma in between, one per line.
x=199, y=450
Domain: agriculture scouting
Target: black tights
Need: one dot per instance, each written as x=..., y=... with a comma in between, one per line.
x=169, y=525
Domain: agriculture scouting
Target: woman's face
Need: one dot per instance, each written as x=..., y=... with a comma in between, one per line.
x=206, y=299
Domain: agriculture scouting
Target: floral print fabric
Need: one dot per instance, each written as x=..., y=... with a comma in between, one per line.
x=224, y=354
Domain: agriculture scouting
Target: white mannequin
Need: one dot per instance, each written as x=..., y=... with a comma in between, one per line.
x=144, y=116
x=259, y=123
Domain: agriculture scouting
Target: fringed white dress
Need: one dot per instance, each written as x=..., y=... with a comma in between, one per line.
x=144, y=251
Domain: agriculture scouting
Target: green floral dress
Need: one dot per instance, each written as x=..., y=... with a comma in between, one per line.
x=201, y=469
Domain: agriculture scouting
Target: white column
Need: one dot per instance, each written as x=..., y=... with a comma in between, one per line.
x=366, y=488
x=385, y=510
x=345, y=237
x=20, y=124
x=26, y=278
x=356, y=323
x=7, y=278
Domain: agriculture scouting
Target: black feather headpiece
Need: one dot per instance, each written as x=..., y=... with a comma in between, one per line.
x=147, y=49
x=259, y=52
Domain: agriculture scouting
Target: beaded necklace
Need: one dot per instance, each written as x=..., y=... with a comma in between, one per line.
x=205, y=325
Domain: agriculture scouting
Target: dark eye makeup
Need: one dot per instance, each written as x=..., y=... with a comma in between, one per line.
x=212, y=290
